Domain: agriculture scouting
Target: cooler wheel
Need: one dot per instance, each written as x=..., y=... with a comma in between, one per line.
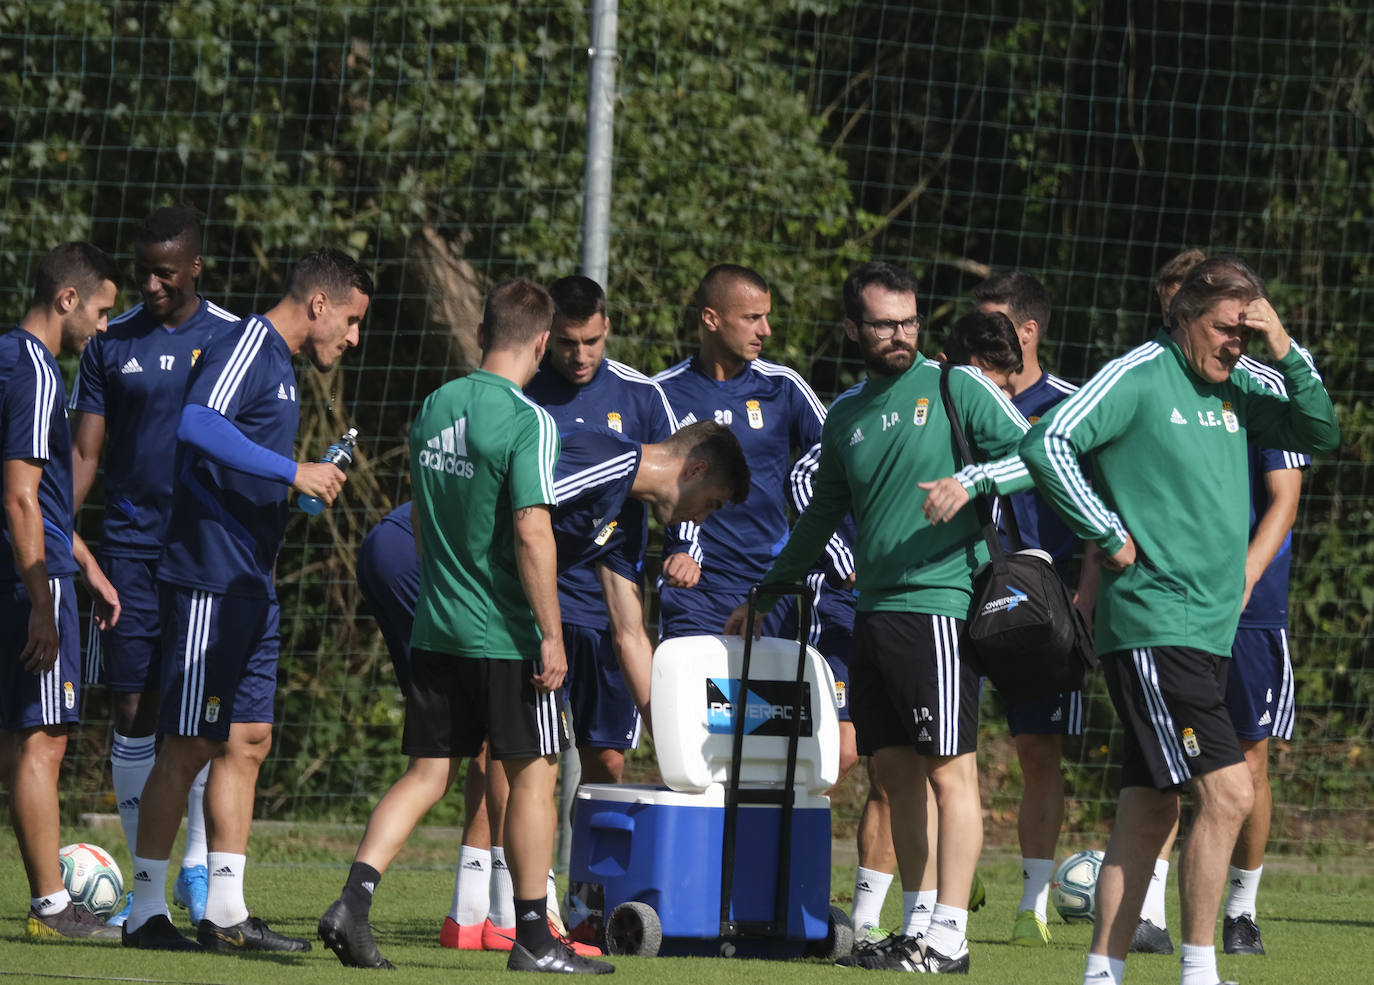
x=839, y=938
x=634, y=929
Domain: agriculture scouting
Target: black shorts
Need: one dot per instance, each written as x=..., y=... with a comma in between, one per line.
x=909, y=685
x=1172, y=703
x=453, y=703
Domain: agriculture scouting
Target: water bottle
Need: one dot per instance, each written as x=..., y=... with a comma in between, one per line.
x=340, y=453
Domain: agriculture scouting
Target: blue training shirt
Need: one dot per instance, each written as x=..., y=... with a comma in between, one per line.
x=626, y=401
x=227, y=526
x=772, y=411
x=595, y=520
x=1039, y=524
x=33, y=425
x=134, y=375
x=1268, y=605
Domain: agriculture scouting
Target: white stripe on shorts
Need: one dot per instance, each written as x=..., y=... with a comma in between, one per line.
x=1285, y=709
x=193, y=662
x=546, y=711
x=90, y=670
x=948, y=679
x=50, y=680
x=1160, y=718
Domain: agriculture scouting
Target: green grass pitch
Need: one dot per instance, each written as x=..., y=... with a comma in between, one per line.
x=1318, y=923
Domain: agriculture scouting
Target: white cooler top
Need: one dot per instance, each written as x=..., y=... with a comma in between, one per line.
x=693, y=700
x=712, y=796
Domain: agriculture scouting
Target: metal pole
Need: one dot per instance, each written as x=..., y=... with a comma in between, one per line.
x=596, y=181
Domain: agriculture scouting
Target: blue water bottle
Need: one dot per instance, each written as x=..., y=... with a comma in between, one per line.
x=340, y=453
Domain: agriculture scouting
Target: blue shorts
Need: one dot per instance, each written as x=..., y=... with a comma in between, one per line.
x=604, y=715
x=53, y=698
x=1259, y=686
x=695, y=612
x=831, y=641
x=221, y=664
x=1057, y=714
x=127, y=657
x=389, y=576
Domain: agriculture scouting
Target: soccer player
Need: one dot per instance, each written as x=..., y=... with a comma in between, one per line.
x=915, y=702
x=487, y=651
x=217, y=599
x=129, y=389
x=1167, y=425
x=708, y=570
x=40, y=671
x=1038, y=727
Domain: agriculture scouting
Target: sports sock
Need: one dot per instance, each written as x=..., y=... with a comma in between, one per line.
x=1242, y=887
x=46, y=906
x=224, y=905
x=131, y=760
x=150, y=891
x=532, y=925
x=471, y=886
x=1199, y=966
x=917, y=906
x=1153, y=908
x=502, y=913
x=1035, y=884
x=358, y=889
x=870, y=889
x=1102, y=970
x=947, y=929
x=195, y=853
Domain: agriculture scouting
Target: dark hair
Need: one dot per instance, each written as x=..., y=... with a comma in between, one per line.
x=1172, y=273
x=76, y=264
x=896, y=279
x=721, y=278
x=578, y=298
x=716, y=445
x=1023, y=295
x=989, y=335
x=1219, y=279
x=167, y=225
x=329, y=270
x=517, y=312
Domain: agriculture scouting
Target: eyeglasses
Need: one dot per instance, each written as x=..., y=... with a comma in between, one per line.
x=886, y=328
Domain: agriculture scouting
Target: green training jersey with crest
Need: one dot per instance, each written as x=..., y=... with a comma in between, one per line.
x=880, y=439
x=479, y=450
x=1171, y=468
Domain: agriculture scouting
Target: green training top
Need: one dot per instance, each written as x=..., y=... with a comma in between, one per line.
x=880, y=439
x=479, y=451
x=1169, y=466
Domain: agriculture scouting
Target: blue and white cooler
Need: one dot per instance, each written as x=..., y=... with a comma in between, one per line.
x=653, y=856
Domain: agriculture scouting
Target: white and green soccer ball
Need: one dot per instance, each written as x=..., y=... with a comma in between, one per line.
x=1073, y=891
x=93, y=879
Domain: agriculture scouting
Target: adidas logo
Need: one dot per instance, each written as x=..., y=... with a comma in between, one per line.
x=281, y=392
x=856, y=437
x=498, y=865
x=447, y=451
x=1105, y=976
x=44, y=904
x=142, y=876
x=1058, y=715
x=131, y=366
x=1177, y=418
x=865, y=887
x=131, y=804
x=923, y=737
x=920, y=908
x=474, y=865
x=533, y=915
x=223, y=870
x=1265, y=719
x=1024, y=875
x=1238, y=883
x=370, y=886
x=684, y=421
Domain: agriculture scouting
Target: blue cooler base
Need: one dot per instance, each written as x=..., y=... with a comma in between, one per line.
x=662, y=848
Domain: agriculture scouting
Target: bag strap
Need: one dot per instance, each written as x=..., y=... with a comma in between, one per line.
x=981, y=502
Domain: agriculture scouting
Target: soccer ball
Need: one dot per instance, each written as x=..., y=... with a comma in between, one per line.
x=1074, y=888
x=92, y=878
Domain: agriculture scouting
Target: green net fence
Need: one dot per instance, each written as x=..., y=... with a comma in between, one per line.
x=443, y=144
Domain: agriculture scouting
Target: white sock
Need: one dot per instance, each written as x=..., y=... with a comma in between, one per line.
x=947, y=927
x=1153, y=908
x=918, y=907
x=195, y=853
x=224, y=905
x=46, y=906
x=502, y=912
x=1199, y=965
x=131, y=760
x=471, y=886
x=150, y=891
x=1242, y=886
x=870, y=890
x=1035, y=884
x=1103, y=970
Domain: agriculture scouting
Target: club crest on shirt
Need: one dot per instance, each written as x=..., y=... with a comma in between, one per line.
x=212, y=709
x=922, y=412
x=195, y=354
x=613, y=422
x=755, y=414
x=1229, y=417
